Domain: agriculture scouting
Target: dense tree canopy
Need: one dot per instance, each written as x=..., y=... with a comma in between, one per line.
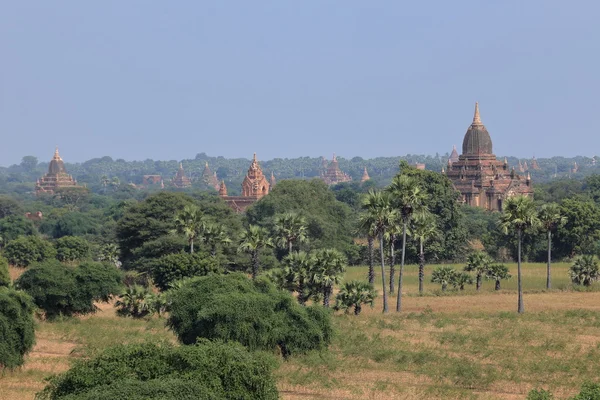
x=16, y=327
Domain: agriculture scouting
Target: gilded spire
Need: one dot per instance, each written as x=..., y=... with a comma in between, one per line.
x=334, y=159
x=180, y=166
x=56, y=155
x=476, y=117
x=223, y=189
x=365, y=176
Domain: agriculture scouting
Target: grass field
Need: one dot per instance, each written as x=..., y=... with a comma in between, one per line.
x=458, y=346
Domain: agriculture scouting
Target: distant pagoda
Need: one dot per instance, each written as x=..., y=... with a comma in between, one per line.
x=534, y=164
x=333, y=174
x=57, y=177
x=254, y=187
x=365, y=176
x=181, y=181
x=453, y=156
x=209, y=177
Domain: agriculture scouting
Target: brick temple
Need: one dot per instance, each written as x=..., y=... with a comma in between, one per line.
x=254, y=187
x=181, y=181
x=56, y=178
x=333, y=174
x=482, y=180
x=210, y=178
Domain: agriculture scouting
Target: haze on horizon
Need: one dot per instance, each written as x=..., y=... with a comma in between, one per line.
x=163, y=80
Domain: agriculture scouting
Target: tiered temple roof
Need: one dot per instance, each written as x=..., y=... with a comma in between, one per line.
x=365, y=176
x=333, y=174
x=181, y=181
x=56, y=178
x=254, y=187
x=209, y=177
x=534, y=164
x=453, y=156
x=482, y=180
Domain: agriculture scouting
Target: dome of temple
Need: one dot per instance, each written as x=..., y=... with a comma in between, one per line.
x=477, y=139
x=57, y=166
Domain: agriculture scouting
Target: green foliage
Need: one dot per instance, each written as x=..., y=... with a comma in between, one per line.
x=190, y=222
x=443, y=275
x=329, y=221
x=206, y=370
x=584, y=270
x=13, y=226
x=4, y=274
x=61, y=290
x=355, y=294
x=254, y=313
x=496, y=273
x=9, y=206
x=460, y=279
x=16, y=327
x=539, y=394
x=253, y=240
x=134, y=301
x=478, y=262
x=26, y=250
x=328, y=269
x=72, y=248
x=172, y=267
x=581, y=230
x=290, y=229
x=70, y=223
x=589, y=391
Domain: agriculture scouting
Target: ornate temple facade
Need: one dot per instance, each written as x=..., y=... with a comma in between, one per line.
x=210, y=178
x=56, y=178
x=333, y=174
x=254, y=187
x=482, y=180
x=181, y=181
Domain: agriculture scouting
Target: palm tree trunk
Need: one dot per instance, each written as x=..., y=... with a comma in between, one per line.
x=213, y=250
x=392, y=263
x=497, y=284
x=357, y=309
x=478, y=281
x=421, y=266
x=254, y=264
x=548, y=274
x=385, y=301
x=191, y=246
x=371, y=276
x=290, y=247
x=301, y=298
x=521, y=308
x=444, y=286
x=326, y=295
x=399, y=297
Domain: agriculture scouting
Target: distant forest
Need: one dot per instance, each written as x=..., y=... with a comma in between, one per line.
x=95, y=173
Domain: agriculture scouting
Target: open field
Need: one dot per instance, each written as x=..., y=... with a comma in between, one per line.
x=468, y=345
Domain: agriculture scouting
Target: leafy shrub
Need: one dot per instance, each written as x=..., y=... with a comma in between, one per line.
x=589, y=391
x=72, y=248
x=173, y=267
x=58, y=289
x=26, y=250
x=443, y=275
x=234, y=308
x=16, y=327
x=539, y=394
x=584, y=271
x=135, y=301
x=355, y=294
x=4, y=274
x=206, y=370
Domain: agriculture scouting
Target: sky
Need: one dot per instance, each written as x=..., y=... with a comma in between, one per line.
x=167, y=80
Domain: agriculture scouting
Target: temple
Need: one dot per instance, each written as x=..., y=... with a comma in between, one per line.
x=453, y=156
x=365, y=176
x=333, y=175
x=209, y=177
x=482, y=180
x=56, y=178
x=181, y=181
x=534, y=164
x=254, y=187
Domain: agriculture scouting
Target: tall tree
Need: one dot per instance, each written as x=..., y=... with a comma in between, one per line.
x=519, y=215
x=479, y=263
x=215, y=235
x=379, y=211
x=253, y=240
x=550, y=219
x=409, y=199
x=290, y=228
x=190, y=222
x=423, y=228
x=366, y=227
x=296, y=270
x=330, y=265
x=391, y=234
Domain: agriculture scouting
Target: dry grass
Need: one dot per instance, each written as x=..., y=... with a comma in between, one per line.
x=15, y=272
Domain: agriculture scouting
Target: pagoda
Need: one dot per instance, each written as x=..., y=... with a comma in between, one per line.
x=181, y=181
x=333, y=174
x=365, y=176
x=57, y=177
x=210, y=178
x=482, y=180
x=453, y=156
x=534, y=164
x=254, y=187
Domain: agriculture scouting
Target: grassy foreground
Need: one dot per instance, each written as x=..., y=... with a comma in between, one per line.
x=468, y=345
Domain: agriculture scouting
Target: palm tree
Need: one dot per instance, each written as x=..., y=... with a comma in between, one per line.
x=460, y=279
x=115, y=183
x=497, y=272
x=365, y=227
x=296, y=270
x=134, y=302
x=519, y=215
x=550, y=219
x=329, y=267
x=110, y=254
x=252, y=241
x=479, y=263
x=378, y=209
x=584, y=271
x=409, y=199
x=290, y=228
x=423, y=228
x=355, y=294
x=190, y=222
x=391, y=235
x=214, y=235
x=444, y=276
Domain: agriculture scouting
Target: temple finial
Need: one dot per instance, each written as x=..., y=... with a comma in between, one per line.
x=56, y=155
x=254, y=159
x=334, y=157
x=180, y=166
x=476, y=117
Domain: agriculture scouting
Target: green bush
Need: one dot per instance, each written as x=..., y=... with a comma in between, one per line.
x=256, y=314
x=61, y=290
x=16, y=327
x=539, y=394
x=26, y=250
x=4, y=275
x=173, y=267
x=206, y=370
x=589, y=391
x=72, y=248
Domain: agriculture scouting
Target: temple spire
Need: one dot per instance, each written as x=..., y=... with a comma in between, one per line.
x=56, y=155
x=476, y=117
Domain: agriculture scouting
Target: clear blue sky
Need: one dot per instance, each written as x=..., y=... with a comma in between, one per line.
x=168, y=80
